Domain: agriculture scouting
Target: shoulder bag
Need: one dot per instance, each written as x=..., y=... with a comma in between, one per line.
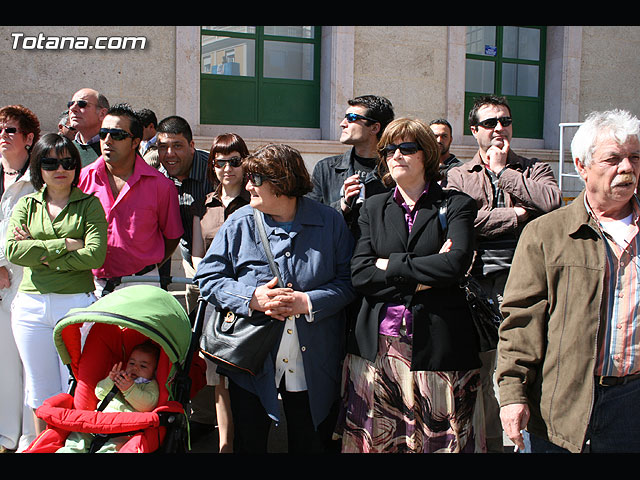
x=242, y=343
x=484, y=312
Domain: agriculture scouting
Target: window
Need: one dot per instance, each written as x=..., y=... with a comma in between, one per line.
x=260, y=75
x=508, y=61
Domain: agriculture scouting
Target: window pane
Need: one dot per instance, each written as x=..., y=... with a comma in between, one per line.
x=481, y=40
x=236, y=29
x=522, y=43
x=479, y=76
x=289, y=31
x=521, y=80
x=228, y=56
x=288, y=60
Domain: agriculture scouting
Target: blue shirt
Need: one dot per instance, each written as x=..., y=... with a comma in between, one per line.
x=313, y=257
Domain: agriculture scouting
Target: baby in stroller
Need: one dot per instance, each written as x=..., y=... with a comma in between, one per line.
x=133, y=389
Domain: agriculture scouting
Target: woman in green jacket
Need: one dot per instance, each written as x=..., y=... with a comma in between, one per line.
x=58, y=234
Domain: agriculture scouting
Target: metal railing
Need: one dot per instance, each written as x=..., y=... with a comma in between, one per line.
x=561, y=173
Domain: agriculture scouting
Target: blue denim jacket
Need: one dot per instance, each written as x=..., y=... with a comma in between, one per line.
x=314, y=257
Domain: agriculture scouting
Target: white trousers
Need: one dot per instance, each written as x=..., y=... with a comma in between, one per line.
x=33, y=317
x=11, y=381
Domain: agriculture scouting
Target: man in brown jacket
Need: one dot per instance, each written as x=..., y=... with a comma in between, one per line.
x=510, y=190
x=568, y=352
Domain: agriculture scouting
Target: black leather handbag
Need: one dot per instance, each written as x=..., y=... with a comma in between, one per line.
x=484, y=312
x=241, y=343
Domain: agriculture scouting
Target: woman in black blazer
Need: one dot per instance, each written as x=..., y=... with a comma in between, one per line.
x=411, y=379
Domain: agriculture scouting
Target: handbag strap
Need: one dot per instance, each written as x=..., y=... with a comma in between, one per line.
x=259, y=218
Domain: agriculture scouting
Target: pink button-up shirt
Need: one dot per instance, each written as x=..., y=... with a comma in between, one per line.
x=145, y=212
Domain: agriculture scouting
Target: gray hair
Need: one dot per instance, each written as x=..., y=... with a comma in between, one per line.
x=617, y=124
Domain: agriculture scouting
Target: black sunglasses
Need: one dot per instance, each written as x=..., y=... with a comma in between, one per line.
x=51, y=164
x=9, y=130
x=352, y=117
x=492, y=122
x=80, y=103
x=233, y=162
x=406, y=148
x=256, y=178
x=116, y=133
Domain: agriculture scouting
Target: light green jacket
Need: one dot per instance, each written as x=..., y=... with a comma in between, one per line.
x=50, y=267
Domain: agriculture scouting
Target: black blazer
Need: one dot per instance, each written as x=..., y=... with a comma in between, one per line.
x=443, y=336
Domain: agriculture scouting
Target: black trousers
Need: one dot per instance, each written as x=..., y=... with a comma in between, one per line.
x=251, y=424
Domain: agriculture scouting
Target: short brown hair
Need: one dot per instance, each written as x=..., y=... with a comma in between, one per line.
x=283, y=166
x=27, y=120
x=224, y=144
x=419, y=132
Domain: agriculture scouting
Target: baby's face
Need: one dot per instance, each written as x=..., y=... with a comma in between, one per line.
x=141, y=364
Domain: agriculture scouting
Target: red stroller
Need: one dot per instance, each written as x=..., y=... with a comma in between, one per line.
x=119, y=321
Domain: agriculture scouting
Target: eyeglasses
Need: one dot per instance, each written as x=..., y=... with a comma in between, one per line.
x=233, y=162
x=258, y=179
x=492, y=122
x=116, y=133
x=352, y=117
x=51, y=164
x=8, y=130
x=406, y=148
x=80, y=103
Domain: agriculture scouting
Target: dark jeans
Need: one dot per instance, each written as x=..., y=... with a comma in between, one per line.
x=252, y=424
x=614, y=426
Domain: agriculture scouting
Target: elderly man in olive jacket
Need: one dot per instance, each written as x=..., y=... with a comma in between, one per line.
x=568, y=352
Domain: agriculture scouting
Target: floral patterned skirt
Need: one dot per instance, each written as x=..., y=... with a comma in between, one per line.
x=387, y=408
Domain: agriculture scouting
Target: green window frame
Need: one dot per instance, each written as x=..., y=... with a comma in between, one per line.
x=260, y=75
x=508, y=61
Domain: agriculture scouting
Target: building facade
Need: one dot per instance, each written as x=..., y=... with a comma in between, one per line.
x=291, y=84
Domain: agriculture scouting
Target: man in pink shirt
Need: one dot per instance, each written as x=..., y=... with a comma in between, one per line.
x=140, y=203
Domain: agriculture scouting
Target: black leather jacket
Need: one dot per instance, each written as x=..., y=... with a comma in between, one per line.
x=328, y=177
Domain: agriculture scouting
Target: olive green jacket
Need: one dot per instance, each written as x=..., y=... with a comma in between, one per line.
x=50, y=267
x=553, y=310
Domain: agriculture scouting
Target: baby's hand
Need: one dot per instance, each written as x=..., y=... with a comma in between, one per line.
x=115, y=370
x=123, y=381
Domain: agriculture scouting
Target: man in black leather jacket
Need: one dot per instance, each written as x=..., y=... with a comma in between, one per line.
x=343, y=181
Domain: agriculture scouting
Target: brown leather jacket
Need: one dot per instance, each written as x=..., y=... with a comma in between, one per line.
x=529, y=183
x=551, y=331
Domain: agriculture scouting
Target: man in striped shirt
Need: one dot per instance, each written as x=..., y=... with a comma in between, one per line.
x=568, y=358
x=187, y=167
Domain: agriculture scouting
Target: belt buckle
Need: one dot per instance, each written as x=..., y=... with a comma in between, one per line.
x=602, y=383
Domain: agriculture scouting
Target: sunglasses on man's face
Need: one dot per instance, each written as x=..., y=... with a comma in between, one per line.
x=80, y=103
x=116, y=133
x=406, y=148
x=352, y=117
x=51, y=164
x=233, y=162
x=492, y=122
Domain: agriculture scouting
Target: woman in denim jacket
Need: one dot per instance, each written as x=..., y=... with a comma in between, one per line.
x=312, y=247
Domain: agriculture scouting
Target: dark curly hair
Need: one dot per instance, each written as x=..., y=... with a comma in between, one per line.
x=283, y=166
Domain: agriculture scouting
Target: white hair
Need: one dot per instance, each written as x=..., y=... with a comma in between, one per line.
x=617, y=124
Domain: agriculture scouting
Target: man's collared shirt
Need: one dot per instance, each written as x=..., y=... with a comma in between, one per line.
x=619, y=354
x=144, y=214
